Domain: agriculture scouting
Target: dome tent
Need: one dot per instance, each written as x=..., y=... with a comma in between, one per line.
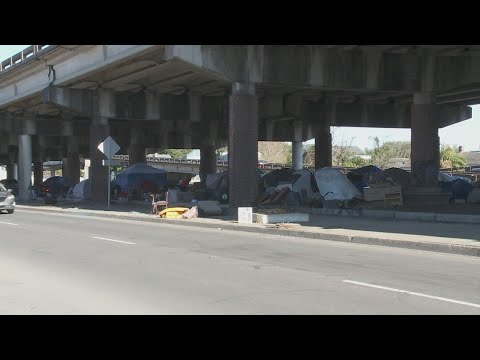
x=142, y=177
x=82, y=190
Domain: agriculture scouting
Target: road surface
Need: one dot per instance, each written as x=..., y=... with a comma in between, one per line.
x=67, y=264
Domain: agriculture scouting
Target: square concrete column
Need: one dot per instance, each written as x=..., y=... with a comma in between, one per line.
x=425, y=143
x=98, y=174
x=243, y=145
x=11, y=170
x=323, y=146
x=37, y=173
x=136, y=150
x=71, y=164
x=136, y=154
x=208, y=161
x=24, y=167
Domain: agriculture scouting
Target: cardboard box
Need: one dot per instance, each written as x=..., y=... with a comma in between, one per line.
x=378, y=193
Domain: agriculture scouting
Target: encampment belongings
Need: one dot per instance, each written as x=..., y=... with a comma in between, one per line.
x=209, y=208
x=274, y=197
x=173, y=213
x=458, y=186
x=474, y=196
x=381, y=193
x=280, y=176
x=217, y=185
x=303, y=183
x=394, y=176
x=334, y=185
x=142, y=178
x=361, y=177
x=425, y=195
x=82, y=191
x=191, y=214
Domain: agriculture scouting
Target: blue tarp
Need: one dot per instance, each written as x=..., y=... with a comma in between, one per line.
x=458, y=187
x=142, y=178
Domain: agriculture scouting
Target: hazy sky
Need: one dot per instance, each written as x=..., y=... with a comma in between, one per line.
x=465, y=133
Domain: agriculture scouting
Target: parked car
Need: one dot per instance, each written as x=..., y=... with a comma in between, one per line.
x=57, y=186
x=10, y=184
x=7, y=200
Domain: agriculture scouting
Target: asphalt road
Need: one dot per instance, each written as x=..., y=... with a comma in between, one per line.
x=65, y=264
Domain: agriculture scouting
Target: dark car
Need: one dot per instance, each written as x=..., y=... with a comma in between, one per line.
x=57, y=186
x=10, y=184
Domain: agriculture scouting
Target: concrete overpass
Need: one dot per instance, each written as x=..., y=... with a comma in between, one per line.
x=60, y=101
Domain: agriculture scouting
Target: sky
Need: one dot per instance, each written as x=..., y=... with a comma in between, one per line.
x=465, y=133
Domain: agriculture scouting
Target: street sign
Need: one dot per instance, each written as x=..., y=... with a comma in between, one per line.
x=109, y=147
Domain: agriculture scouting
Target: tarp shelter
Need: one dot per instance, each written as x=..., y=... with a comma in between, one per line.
x=333, y=185
x=304, y=182
x=82, y=191
x=143, y=178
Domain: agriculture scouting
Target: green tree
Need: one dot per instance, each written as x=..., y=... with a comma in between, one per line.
x=387, y=154
x=176, y=153
x=451, y=158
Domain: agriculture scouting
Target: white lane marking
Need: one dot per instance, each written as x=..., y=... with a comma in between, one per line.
x=119, y=241
x=7, y=223
x=413, y=293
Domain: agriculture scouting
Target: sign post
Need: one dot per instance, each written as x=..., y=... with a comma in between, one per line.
x=109, y=148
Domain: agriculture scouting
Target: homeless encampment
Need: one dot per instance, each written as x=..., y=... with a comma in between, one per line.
x=142, y=178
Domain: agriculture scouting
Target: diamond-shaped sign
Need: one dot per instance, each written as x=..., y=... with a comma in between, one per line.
x=109, y=147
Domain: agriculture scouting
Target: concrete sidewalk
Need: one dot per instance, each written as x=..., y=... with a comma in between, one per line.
x=461, y=239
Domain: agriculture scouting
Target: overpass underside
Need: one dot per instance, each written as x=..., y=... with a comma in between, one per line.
x=191, y=96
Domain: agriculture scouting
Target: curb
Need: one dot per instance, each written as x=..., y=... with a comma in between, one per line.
x=399, y=215
x=404, y=244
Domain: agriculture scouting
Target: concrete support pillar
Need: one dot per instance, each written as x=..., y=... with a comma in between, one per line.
x=297, y=146
x=243, y=145
x=24, y=167
x=136, y=150
x=297, y=155
x=37, y=173
x=52, y=172
x=11, y=171
x=136, y=154
x=98, y=174
x=323, y=146
x=71, y=164
x=208, y=161
x=425, y=143
x=86, y=169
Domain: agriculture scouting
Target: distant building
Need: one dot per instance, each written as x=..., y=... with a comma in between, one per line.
x=193, y=155
x=224, y=156
x=473, y=157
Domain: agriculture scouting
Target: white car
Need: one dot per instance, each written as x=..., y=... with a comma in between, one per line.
x=7, y=200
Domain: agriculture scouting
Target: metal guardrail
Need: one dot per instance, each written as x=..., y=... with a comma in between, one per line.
x=223, y=163
x=27, y=53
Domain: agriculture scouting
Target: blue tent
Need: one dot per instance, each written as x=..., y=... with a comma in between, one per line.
x=143, y=178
